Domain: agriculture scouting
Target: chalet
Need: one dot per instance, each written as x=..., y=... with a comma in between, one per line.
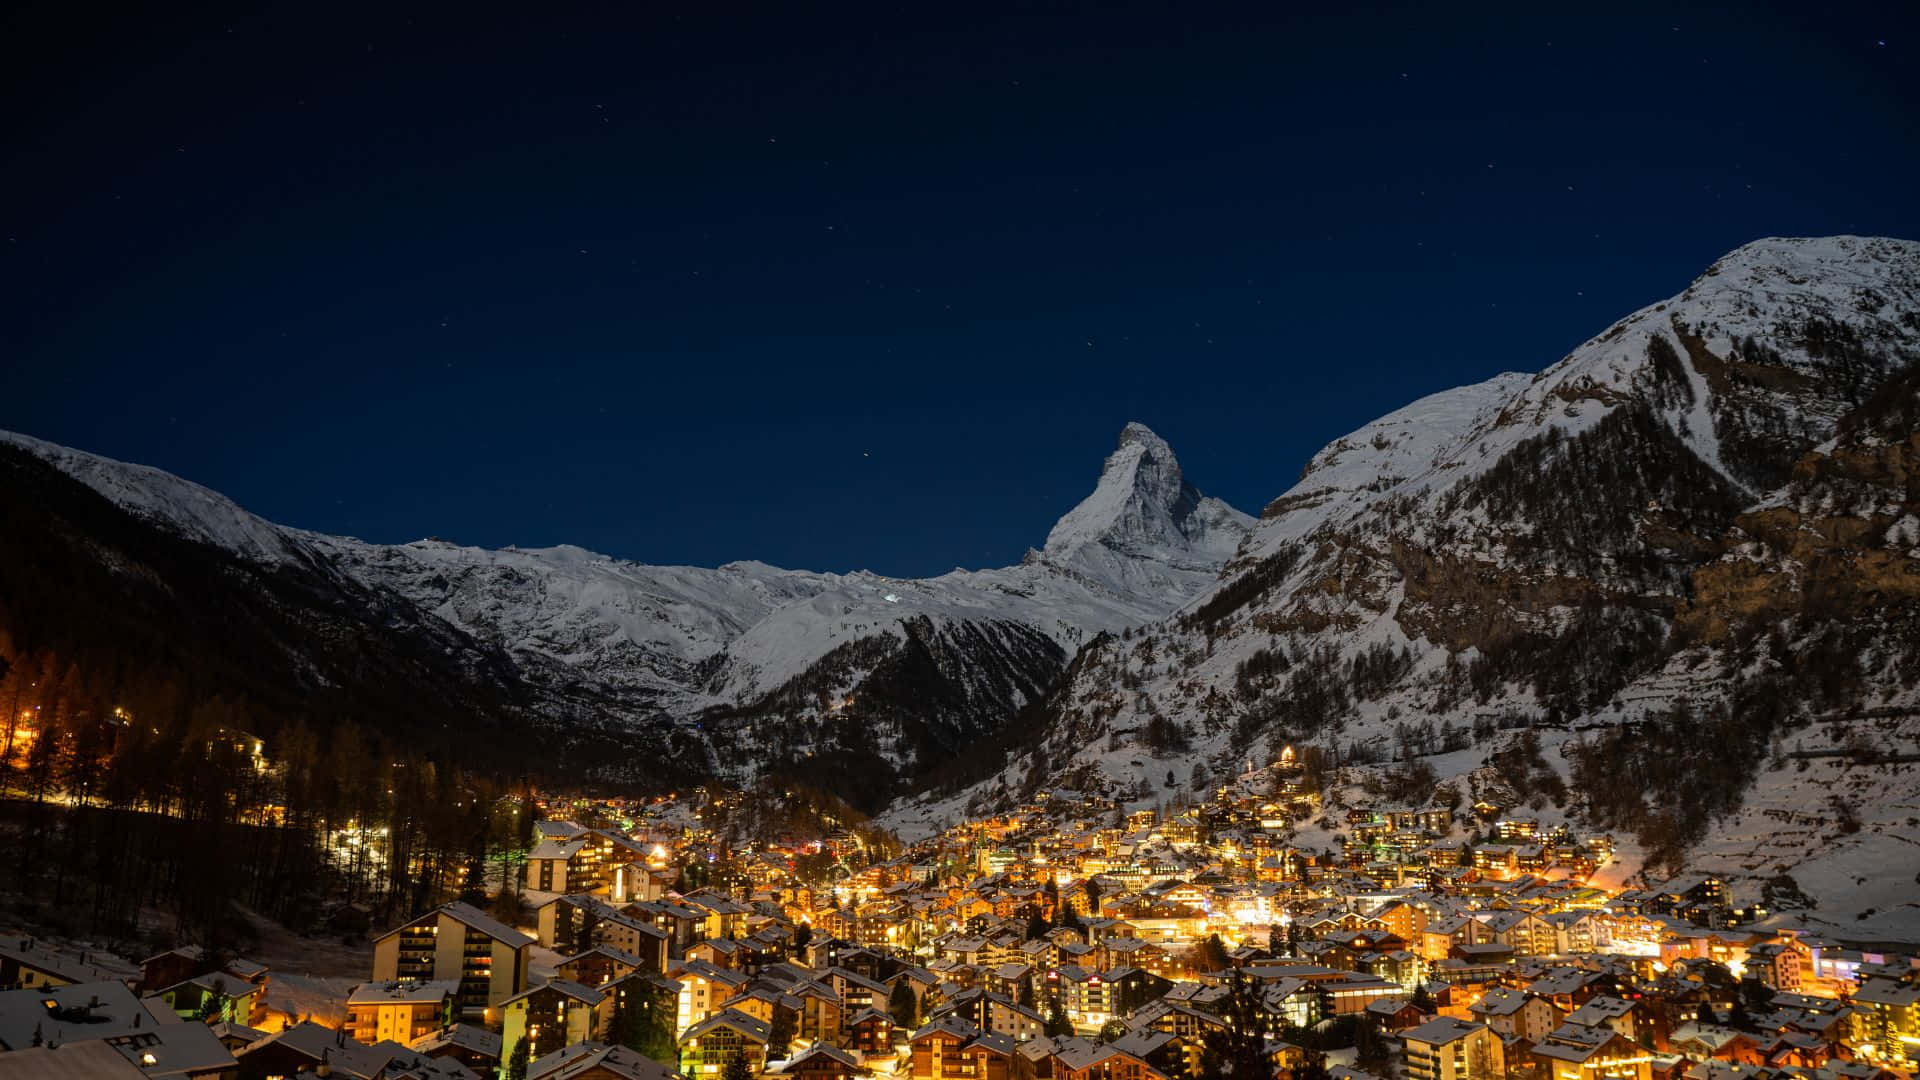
x=584, y=861
x=470, y=1045
x=1497, y=860
x=821, y=1010
x=555, y=1014
x=1567, y=988
x=400, y=1011
x=167, y=968
x=1574, y=1052
x=636, y=938
x=721, y=917
x=706, y=1047
x=1515, y=1013
x=559, y=865
x=1522, y=931
x=822, y=1062
x=726, y=953
x=1446, y=1048
x=1777, y=964
x=1886, y=1017
x=995, y=1013
x=304, y=1047
x=680, y=922
x=1573, y=931
x=952, y=1049
x=870, y=1031
x=460, y=942
x=1082, y=1060
x=704, y=990
x=1176, y=1018
x=765, y=1003
x=856, y=991
x=562, y=921
x=600, y=964
x=1606, y=1011
x=1399, y=918
x=216, y=996
x=1394, y=1015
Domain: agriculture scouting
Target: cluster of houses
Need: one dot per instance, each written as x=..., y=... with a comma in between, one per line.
x=1064, y=941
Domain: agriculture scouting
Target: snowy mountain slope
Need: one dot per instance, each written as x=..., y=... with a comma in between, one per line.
x=1407, y=445
x=665, y=643
x=1642, y=525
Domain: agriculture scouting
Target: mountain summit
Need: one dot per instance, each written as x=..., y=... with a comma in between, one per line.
x=1143, y=503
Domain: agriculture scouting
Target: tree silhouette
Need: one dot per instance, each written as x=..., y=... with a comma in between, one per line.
x=737, y=1067
x=1238, y=1049
x=903, y=1006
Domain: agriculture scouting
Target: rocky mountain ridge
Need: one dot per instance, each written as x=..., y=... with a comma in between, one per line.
x=703, y=652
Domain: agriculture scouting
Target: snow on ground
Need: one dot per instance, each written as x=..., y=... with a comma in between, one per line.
x=282, y=950
x=306, y=997
x=542, y=963
x=1866, y=880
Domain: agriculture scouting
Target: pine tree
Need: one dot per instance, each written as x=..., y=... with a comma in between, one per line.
x=1238, y=1051
x=517, y=1062
x=1211, y=955
x=1057, y=1025
x=1313, y=1066
x=903, y=1006
x=780, y=1035
x=737, y=1067
x=1371, y=1051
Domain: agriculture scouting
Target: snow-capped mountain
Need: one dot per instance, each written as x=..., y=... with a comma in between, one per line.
x=1631, y=536
x=690, y=646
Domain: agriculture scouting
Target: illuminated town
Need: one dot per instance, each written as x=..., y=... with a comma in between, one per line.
x=1069, y=939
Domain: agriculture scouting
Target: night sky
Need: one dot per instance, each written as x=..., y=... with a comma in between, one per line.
x=861, y=288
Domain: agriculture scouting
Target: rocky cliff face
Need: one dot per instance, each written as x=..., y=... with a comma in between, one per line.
x=1696, y=509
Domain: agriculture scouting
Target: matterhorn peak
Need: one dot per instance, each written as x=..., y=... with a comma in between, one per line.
x=1143, y=502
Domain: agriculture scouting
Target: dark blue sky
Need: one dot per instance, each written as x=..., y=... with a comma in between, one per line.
x=660, y=284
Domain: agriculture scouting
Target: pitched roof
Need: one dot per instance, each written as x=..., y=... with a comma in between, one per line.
x=471, y=917
x=826, y=1051
x=582, y=1058
x=469, y=1037
x=752, y=1027
x=572, y=989
x=313, y=1042
x=1441, y=1030
x=398, y=993
x=556, y=848
x=72, y=1013
x=72, y=1061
